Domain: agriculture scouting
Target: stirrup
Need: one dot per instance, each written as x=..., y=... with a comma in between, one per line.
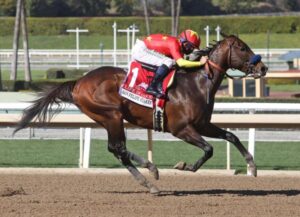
x=155, y=93
x=151, y=91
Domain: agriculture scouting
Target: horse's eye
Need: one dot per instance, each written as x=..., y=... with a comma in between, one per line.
x=243, y=48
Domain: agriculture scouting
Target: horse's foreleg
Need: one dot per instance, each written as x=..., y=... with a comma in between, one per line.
x=116, y=145
x=191, y=136
x=213, y=131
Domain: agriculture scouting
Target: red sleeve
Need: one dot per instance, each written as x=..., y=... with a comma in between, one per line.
x=175, y=49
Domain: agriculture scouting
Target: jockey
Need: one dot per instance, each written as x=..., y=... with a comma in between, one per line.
x=164, y=51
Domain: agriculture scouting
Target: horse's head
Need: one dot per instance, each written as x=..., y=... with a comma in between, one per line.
x=233, y=53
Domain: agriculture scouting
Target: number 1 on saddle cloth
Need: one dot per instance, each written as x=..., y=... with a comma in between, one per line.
x=137, y=81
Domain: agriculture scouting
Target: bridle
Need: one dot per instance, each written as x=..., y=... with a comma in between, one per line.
x=209, y=63
x=253, y=61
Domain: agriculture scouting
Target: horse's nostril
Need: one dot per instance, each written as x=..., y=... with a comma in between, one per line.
x=264, y=69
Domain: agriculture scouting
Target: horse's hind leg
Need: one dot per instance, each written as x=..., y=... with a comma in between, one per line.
x=116, y=145
x=191, y=136
x=213, y=131
x=145, y=164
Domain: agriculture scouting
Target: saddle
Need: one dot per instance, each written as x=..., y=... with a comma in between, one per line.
x=139, y=77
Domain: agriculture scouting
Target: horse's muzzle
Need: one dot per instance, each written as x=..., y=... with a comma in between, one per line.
x=258, y=70
x=263, y=70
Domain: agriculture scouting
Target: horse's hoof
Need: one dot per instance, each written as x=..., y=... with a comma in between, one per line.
x=251, y=171
x=154, y=190
x=155, y=174
x=180, y=165
x=189, y=168
x=154, y=171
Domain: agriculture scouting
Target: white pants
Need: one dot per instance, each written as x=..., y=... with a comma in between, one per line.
x=142, y=54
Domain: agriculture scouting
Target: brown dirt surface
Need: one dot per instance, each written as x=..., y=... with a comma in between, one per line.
x=119, y=195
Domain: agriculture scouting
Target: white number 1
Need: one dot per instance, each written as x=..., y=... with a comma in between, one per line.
x=135, y=72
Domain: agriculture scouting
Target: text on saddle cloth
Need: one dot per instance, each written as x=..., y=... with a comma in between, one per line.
x=137, y=81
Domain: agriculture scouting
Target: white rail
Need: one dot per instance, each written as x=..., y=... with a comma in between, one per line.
x=218, y=107
x=42, y=59
x=257, y=107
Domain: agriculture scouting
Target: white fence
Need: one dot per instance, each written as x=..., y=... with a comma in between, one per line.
x=226, y=115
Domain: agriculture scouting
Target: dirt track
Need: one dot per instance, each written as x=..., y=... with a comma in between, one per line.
x=119, y=195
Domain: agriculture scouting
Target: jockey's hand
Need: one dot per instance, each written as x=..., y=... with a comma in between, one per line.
x=203, y=60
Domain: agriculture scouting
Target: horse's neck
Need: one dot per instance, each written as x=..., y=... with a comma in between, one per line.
x=200, y=85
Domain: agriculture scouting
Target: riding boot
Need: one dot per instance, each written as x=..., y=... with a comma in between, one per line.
x=155, y=87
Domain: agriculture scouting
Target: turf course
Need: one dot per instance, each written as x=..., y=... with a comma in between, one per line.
x=65, y=153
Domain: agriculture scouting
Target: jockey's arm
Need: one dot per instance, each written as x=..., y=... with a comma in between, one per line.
x=190, y=64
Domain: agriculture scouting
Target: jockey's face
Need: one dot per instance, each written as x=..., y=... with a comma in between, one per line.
x=187, y=47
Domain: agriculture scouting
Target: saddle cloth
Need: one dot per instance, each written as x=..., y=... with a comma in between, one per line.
x=137, y=81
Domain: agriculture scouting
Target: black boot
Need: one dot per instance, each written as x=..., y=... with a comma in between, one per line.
x=155, y=87
x=152, y=89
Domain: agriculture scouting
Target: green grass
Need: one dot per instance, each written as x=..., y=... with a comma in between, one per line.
x=28, y=153
x=65, y=153
x=285, y=87
x=67, y=42
x=92, y=41
x=36, y=74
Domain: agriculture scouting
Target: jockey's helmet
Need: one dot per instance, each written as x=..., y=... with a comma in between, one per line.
x=189, y=40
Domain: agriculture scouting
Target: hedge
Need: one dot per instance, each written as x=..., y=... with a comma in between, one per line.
x=103, y=25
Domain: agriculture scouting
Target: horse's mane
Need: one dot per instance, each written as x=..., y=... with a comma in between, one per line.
x=208, y=51
x=213, y=46
x=198, y=54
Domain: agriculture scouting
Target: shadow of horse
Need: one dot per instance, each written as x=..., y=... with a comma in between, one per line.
x=222, y=192
x=216, y=192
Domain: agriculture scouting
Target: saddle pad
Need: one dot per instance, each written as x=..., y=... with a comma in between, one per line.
x=137, y=81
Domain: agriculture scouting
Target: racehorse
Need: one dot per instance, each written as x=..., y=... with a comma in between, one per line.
x=188, y=111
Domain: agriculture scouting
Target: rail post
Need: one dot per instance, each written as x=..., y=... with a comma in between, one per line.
x=150, y=145
x=77, y=31
x=228, y=153
x=206, y=29
x=114, y=26
x=85, y=147
x=251, y=142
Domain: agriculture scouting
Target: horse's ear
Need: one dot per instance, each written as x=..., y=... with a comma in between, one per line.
x=224, y=35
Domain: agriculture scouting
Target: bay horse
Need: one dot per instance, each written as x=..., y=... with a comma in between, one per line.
x=188, y=109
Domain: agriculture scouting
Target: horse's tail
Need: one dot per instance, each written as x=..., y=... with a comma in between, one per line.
x=42, y=108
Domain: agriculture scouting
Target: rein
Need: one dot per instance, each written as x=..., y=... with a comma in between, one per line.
x=210, y=75
x=210, y=64
x=216, y=66
x=213, y=64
